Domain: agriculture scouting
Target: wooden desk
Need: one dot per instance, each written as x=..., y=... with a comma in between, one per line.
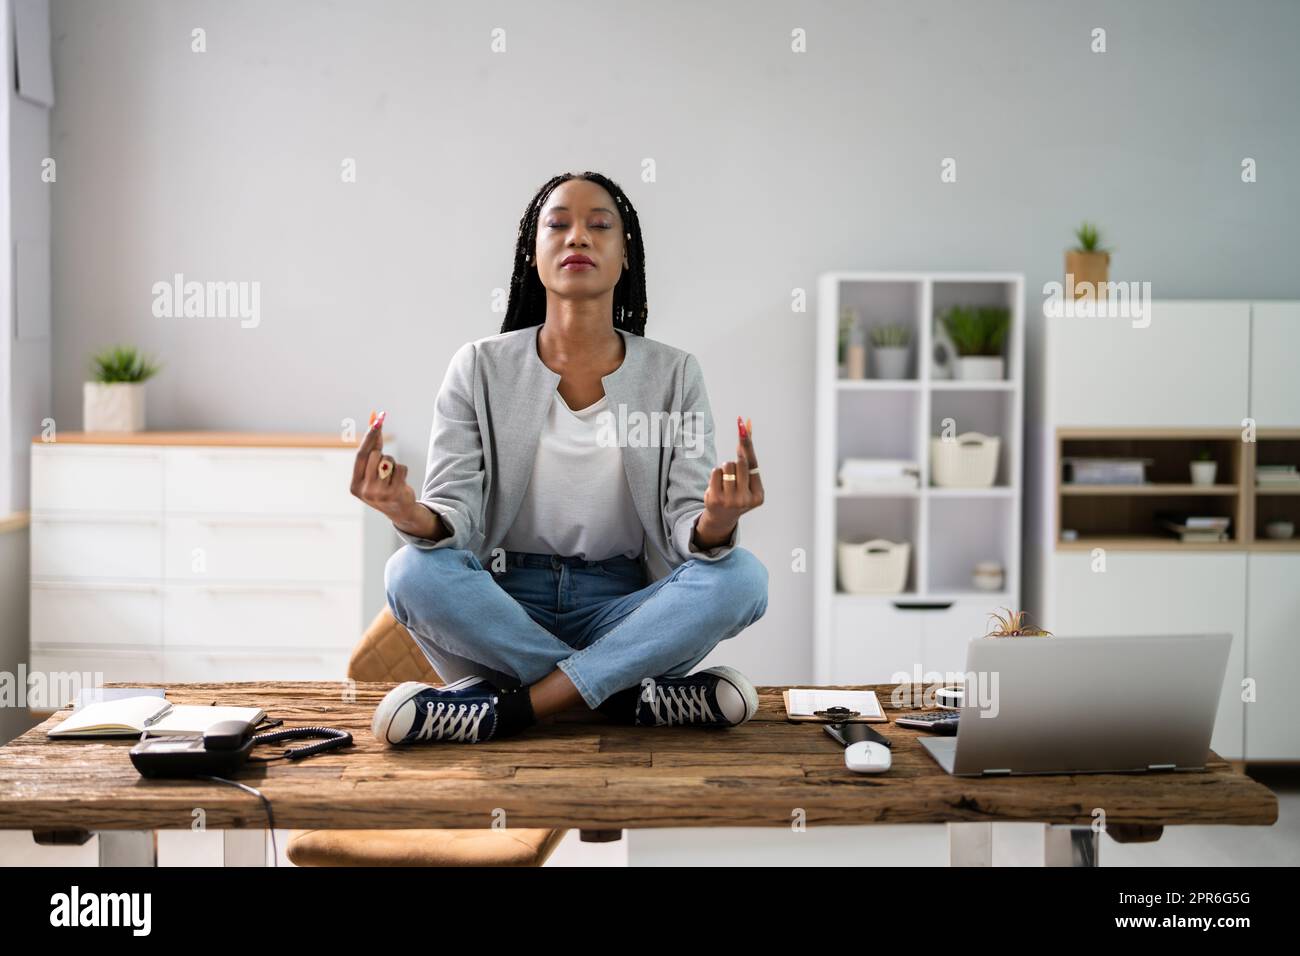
x=579, y=771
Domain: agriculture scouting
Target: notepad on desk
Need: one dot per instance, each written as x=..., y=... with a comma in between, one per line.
x=132, y=716
x=801, y=703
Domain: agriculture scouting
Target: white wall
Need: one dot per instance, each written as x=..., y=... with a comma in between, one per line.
x=772, y=167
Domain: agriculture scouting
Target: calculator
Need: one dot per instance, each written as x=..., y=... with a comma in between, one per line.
x=935, y=721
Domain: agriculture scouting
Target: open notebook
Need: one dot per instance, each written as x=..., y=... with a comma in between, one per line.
x=131, y=716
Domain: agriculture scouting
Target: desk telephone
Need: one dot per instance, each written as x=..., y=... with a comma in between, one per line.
x=224, y=748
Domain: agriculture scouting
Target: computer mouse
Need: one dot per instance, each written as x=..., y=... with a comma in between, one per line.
x=867, y=756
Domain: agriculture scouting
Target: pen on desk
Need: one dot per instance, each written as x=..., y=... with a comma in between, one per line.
x=150, y=721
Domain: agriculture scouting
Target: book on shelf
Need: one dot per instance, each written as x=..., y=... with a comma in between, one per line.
x=1276, y=476
x=872, y=474
x=1195, y=527
x=1094, y=470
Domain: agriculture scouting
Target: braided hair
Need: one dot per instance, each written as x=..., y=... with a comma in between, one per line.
x=527, y=303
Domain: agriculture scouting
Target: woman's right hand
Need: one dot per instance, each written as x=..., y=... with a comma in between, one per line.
x=391, y=496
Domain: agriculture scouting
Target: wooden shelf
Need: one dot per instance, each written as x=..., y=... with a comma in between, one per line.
x=1172, y=488
x=1276, y=491
x=1269, y=544
x=1145, y=542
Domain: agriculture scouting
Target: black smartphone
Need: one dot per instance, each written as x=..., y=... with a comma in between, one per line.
x=852, y=732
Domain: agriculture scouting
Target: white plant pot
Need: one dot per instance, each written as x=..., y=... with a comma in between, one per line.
x=113, y=407
x=981, y=368
x=1203, y=472
x=891, y=361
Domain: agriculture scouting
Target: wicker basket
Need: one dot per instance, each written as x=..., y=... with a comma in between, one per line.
x=873, y=567
x=968, y=461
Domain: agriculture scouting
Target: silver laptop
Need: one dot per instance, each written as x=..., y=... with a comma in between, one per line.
x=1086, y=705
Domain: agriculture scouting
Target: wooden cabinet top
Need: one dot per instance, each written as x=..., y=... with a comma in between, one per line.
x=209, y=438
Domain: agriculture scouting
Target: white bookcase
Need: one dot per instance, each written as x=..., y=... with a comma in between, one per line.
x=865, y=638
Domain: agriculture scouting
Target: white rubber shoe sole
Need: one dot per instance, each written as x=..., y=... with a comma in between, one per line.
x=743, y=704
x=396, y=713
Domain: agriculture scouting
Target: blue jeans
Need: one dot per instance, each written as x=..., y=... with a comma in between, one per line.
x=598, y=621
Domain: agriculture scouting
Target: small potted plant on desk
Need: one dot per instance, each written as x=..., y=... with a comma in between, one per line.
x=978, y=333
x=114, y=401
x=1010, y=624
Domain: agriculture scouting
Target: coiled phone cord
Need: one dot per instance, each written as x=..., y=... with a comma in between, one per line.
x=336, y=738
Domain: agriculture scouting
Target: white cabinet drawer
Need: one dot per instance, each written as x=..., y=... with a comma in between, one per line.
x=1149, y=367
x=88, y=613
x=1274, y=385
x=1273, y=657
x=227, y=548
x=64, y=671
x=873, y=642
x=96, y=547
x=198, y=665
x=318, y=618
x=1158, y=592
x=96, y=478
x=260, y=481
x=891, y=640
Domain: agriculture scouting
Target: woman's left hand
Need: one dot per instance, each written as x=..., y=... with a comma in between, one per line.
x=734, y=488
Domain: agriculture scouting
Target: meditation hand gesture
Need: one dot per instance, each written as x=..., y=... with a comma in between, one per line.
x=734, y=488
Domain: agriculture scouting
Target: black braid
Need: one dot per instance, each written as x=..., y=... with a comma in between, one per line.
x=527, y=304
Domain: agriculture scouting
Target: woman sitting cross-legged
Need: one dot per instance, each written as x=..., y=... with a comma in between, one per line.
x=573, y=542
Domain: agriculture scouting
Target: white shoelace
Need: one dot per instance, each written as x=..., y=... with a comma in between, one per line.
x=445, y=721
x=681, y=705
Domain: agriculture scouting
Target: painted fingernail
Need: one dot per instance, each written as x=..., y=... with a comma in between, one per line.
x=749, y=427
x=740, y=423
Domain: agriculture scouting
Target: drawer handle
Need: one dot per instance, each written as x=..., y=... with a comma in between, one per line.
x=923, y=605
x=260, y=657
x=261, y=523
x=96, y=452
x=94, y=519
x=92, y=586
x=242, y=589
x=263, y=458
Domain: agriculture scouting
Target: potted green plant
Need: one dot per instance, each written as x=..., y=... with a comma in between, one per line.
x=1086, y=265
x=1204, y=468
x=978, y=333
x=114, y=400
x=891, y=346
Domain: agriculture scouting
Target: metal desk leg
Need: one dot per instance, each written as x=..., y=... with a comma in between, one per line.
x=245, y=847
x=1070, y=846
x=128, y=848
x=970, y=844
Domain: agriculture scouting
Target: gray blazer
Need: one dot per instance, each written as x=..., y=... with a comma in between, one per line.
x=488, y=418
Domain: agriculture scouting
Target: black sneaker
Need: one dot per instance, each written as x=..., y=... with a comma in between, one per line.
x=714, y=697
x=464, y=711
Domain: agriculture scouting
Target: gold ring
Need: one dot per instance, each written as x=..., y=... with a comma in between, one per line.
x=728, y=477
x=754, y=470
x=385, y=468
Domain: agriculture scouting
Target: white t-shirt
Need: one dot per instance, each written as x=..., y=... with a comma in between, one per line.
x=578, y=503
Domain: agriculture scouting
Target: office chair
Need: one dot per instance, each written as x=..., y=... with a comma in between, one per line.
x=387, y=652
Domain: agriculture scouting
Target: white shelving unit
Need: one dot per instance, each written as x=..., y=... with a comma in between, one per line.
x=866, y=638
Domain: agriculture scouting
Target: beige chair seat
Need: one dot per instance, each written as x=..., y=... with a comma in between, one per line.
x=422, y=847
x=387, y=652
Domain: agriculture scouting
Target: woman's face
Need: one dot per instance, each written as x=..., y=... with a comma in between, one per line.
x=580, y=219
